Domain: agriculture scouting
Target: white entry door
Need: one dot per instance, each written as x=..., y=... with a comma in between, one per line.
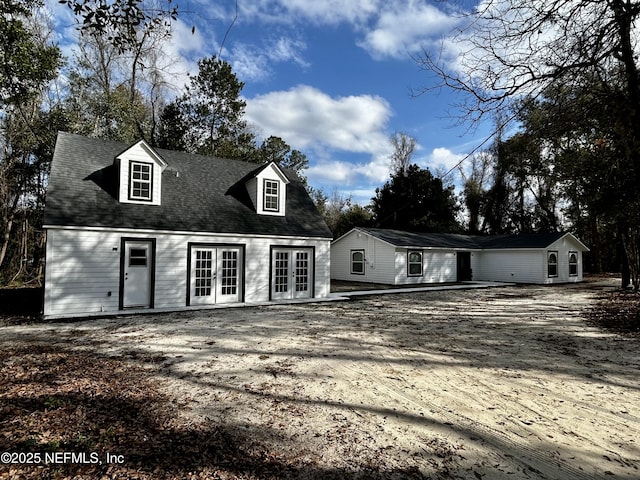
x=215, y=275
x=136, y=277
x=292, y=273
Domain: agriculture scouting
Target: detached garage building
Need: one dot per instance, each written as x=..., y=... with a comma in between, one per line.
x=403, y=258
x=131, y=228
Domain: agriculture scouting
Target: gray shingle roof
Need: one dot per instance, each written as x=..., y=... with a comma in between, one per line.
x=522, y=240
x=206, y=196
x=408, y=239
x=400, y=238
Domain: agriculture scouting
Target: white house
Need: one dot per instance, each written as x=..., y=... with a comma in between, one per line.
x=132, y=228
x=403, y=258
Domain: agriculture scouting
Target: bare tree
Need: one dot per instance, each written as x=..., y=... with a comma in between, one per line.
x=506, y=50
x=403, y=148
x=120, y=21
x=118, y=94
x=475, y=181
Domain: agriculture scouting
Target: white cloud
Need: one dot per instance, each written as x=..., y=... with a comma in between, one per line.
x=405, y=28
x=251, y=62
x=332, y=171
x=178, y=50
x=390, y=29
x=286, y=49
x=441, y=159
x=329, y=128
x=326, y=12
x=306, y=118
x=337, y=172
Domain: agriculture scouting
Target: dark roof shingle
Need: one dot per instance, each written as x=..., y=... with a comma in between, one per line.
x=400, y=238
x=409, y=239
x=199, y=194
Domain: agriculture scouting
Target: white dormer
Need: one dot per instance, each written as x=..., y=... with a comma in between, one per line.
x=268, y=190
x=140, y=175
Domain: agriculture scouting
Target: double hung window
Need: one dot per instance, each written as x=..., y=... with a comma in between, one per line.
x=414, y=263
x=552, y=264
x=357, y=262
x=140, y=180
x=272, y=195
x=573, y=264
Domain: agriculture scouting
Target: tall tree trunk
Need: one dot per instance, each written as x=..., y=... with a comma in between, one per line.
x=624, y=260
x=8, y=226
x=6, y=239
x=596, y=250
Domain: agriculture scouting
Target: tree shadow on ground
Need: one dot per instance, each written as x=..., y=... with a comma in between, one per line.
x=59, y=400
x=129, y=416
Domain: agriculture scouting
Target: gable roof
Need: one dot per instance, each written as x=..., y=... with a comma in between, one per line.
x=401, y=238
x=199, y=194
x=147, y=149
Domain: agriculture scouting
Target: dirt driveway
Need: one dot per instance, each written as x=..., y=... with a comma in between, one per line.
x=497, y=383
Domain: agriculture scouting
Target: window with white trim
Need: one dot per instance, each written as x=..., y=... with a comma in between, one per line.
x=552, y=264
x=140, y=181
x=357, y=262
x=272, y=195
x=414, y=263
x=573, y=264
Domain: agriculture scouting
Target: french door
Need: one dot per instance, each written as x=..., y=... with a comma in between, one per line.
x=214, y=275
x=292, y=273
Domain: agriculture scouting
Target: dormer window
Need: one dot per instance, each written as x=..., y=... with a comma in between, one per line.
x=272, y=195
x=140, y=170
x=141, y=175
x=267, y=188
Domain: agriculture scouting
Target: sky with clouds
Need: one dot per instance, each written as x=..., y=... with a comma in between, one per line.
x=333, y=79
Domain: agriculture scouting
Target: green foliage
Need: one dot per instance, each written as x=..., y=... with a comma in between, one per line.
x=26, y=63
x=275, y=149
x=53, y=403
x=415, y=201
x=105, y=91
x=208, y=118
x=340, y=213
x=523, y=195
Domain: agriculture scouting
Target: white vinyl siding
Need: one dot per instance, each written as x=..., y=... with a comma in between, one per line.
x=523, y=266
x=529, y=266
x=138, y=155
x=438, y=266
x=379, y=259
x=83, y=266
x=267, y=198
x=564, y=246
x=388, y=264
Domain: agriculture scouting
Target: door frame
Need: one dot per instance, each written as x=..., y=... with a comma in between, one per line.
x=241, y=265
x=152, y=269
x=461, y=272
x=312, y=264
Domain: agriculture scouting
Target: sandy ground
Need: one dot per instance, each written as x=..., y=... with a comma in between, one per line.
x=497, y=383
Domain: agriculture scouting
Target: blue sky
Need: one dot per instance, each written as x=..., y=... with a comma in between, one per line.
x=333, y=78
